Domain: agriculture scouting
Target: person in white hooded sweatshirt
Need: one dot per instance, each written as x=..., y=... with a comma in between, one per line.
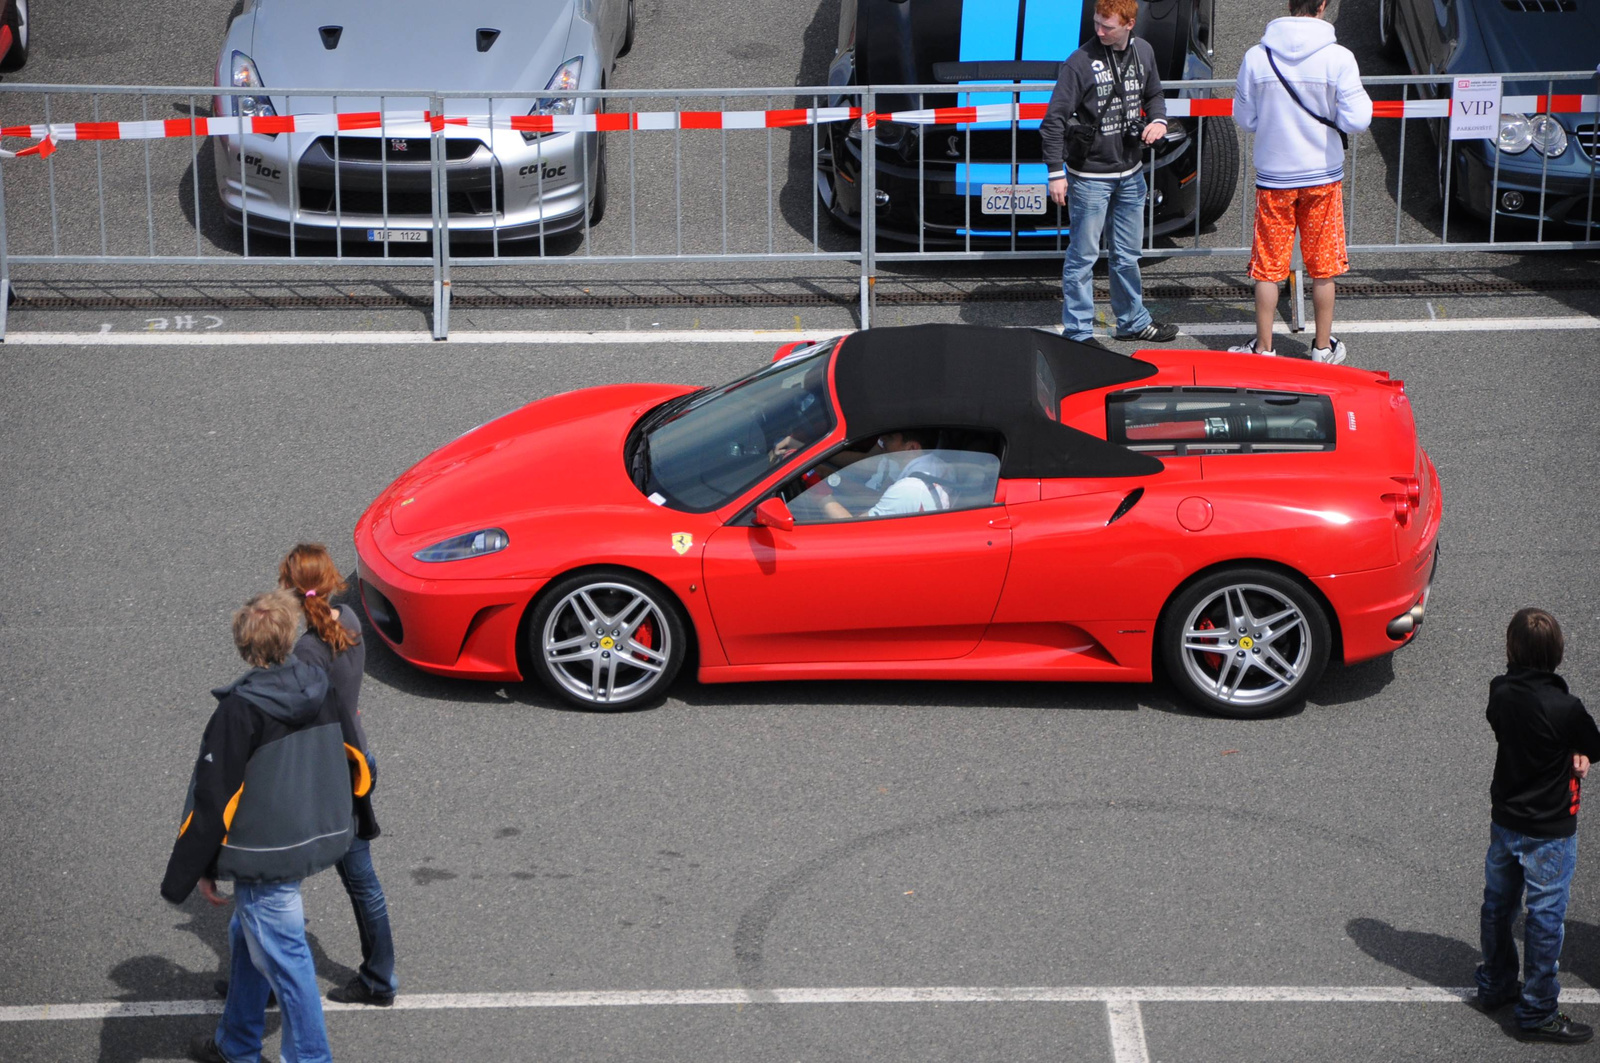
x=1300, y=93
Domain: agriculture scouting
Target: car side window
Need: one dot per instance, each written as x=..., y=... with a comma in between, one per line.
x=869, y=479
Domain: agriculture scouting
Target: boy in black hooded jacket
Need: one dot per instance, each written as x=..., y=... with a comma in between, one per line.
x=268, y=805
x=1547, y=739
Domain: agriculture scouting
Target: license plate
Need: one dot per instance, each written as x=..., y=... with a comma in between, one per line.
x=400, y=236
x=1013, y=199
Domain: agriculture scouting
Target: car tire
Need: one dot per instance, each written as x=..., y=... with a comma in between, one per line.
x=627, y=37
x=21, y=37
x=1260, y=670
x=602, y=185
x=1219, y=165
x=1388, y=41
x=607, y=640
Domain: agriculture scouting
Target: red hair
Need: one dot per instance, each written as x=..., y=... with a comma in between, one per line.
x=308, y=570
x=1126, y=10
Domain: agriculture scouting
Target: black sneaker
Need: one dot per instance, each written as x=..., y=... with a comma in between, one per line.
x=205, y=1050
x=356, y=992
x=1558, y=1029
x=1155, y=332
x=221, y=986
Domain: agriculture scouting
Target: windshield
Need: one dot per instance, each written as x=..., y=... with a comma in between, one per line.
x=701, y=452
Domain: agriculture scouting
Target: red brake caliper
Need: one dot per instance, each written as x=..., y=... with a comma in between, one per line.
x=645, y=635
x=1212, y=659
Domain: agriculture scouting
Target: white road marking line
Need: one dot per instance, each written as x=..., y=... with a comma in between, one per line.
x=1127, y=1032
x=1108, y=995
x=665, y=336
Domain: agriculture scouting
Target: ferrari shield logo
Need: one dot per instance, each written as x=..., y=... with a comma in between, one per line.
x=681, y=541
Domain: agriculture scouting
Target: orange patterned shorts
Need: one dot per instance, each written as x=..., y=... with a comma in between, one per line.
x=1319, y=215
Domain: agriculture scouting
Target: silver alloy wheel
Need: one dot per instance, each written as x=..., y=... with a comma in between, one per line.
x=1246, y=644
x=22, y=25
x=606, y=643
x=1383, y=23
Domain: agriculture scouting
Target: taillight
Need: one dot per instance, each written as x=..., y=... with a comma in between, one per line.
x=1402, y=508
x=1413, y=489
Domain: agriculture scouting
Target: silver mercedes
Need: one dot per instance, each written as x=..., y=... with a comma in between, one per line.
x=376, y=184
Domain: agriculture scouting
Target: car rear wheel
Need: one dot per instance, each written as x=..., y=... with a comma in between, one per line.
x=607, y=640
x=627, y=37
x=20, y=34
x=1245, y=642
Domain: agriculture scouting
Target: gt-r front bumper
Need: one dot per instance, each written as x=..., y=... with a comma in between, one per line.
x=458, y=627
x=501, y=187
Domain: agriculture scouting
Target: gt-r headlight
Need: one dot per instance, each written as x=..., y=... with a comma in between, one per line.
x=1548, y=136
x=243, y=76
x=564, y=79
x=461, y=547
x=1516, y=134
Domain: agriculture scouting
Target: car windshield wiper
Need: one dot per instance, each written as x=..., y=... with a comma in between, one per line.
x=656, y=417
x=639, y=465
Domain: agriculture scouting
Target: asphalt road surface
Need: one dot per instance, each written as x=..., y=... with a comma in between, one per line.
x=1028, y=851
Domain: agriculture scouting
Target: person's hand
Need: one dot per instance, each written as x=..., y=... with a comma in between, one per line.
x=208, y=890
x=1580, y=766
x=1154, y=132
x=783, y=448
x=1058, y=191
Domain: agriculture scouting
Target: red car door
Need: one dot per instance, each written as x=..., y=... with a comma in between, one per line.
x=919, y=587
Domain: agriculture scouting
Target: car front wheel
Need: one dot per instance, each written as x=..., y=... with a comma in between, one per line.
x=1245, y=642
x=607, y=640
x=21, y=32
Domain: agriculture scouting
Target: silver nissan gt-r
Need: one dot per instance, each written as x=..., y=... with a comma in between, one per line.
x=376, y=184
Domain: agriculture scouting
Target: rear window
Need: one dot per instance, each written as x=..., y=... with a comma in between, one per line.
x=1197, y=420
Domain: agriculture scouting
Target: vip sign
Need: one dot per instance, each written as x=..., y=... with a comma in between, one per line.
x=1475, y=108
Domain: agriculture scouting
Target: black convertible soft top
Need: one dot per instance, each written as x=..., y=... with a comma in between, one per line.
x=1007, y=380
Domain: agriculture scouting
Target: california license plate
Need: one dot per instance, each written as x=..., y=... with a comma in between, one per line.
x=1013, y=199
x=399, y=236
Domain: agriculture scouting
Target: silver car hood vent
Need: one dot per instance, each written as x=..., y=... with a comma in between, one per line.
x=330, y=36
x=486, y=39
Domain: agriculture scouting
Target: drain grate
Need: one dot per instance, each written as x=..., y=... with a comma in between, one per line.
x=888, y=294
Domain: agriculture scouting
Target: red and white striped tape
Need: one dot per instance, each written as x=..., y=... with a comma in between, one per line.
x=422, y=123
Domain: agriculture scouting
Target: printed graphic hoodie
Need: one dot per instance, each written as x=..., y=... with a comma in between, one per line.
x=269, y=799
x=1539, y=725
x=1293, y=149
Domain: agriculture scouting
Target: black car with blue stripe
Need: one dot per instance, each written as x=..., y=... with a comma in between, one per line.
x=931, y=180
x=1547, y=162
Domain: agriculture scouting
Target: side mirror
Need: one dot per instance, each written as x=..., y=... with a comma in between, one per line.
x=773, y=513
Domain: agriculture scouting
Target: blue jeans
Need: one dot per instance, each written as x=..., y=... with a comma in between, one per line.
x=1544, y=867
x=372, y=918
x=267, y=939
x=1089, y=201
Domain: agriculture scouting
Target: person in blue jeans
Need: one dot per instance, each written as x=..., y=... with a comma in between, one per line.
x=332, y=641
x=1105, y=111
x=279, y=723
x=1546, y=742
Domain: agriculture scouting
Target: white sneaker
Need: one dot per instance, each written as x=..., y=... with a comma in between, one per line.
x=1250, y=348
x=1334, y=354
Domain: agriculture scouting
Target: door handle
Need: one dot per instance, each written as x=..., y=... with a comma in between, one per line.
x=1001, y=522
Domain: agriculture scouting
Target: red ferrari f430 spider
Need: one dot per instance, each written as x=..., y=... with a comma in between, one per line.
x=940, y=501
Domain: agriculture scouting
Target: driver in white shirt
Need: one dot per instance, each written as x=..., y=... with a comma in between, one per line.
x=903, y=474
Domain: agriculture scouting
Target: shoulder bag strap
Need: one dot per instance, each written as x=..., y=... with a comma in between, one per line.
x=1344, y=138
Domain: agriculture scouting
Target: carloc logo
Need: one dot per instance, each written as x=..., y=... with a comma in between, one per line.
x=549, y=172
x=1463, y=83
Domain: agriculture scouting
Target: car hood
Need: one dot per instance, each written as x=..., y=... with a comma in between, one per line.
x=563, y=452
x=409, y=44
x=1519, y=40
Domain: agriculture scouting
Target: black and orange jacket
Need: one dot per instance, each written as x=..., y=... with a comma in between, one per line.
x=344, y=674
x=1539, y=726
x=269, y=799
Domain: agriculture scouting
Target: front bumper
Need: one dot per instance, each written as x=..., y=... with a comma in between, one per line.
x=502, y=188
x=940, y=204
x=1559, y=197
x=464, y=628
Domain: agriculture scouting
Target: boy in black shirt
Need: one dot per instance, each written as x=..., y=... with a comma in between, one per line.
x=1547, y=739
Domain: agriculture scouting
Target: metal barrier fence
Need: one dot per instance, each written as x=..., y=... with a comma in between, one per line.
x=867, y=176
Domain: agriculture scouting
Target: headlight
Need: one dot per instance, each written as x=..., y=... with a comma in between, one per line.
x=472, y=544
x=564, y=79
x=1516, y=133
x=244, y=75
x=1548, y=136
